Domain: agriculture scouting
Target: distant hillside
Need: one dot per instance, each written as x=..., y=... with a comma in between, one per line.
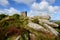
x=56, y=21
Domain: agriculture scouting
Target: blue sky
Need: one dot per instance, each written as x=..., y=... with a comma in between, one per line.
x=33, y=7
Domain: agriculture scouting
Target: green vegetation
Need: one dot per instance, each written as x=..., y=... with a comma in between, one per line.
x=2, y=16
x=58, y=22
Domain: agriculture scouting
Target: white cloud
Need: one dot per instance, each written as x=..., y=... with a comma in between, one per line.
x=25, y=1
x=51, y=1
x=52, y=9
x=32, y=1
x=10, y=11
x=40, y=6
x=43, y=8
x=4, y=2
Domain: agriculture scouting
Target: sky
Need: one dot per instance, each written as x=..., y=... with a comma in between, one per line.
x=33, y=7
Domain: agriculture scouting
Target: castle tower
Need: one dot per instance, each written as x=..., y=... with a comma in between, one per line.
x=24, y=14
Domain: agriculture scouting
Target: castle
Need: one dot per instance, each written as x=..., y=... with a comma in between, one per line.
x=24, y=14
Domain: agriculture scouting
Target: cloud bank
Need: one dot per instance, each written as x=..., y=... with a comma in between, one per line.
x=25, y=1
x=44, y=8
x=50, y=1
x=9, y=11
x=4, y=2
